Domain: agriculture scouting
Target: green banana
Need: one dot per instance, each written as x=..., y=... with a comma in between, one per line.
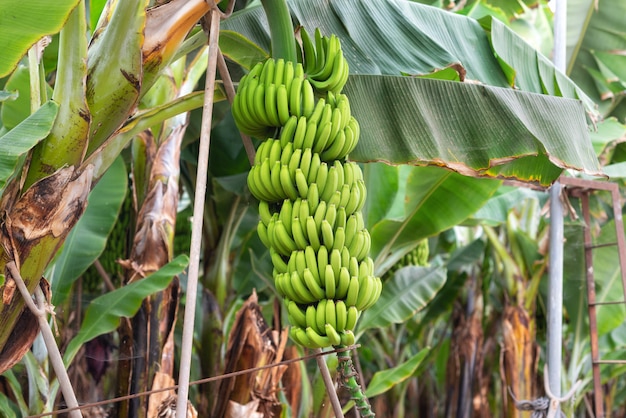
x=279, y=72
x=299, y=336
x=335, y=261
x=322, y=262
x=320, y=316
x=278, y=262
x=311, y=318
x=271, y=106
x=313, y=197
x=311, y=263
x=313, y=285
x=289, y=75
x=295, y=97
x=343, y=283
x=365, y=290
x=353, y=291
x=308, y=98
x=262, y=232
x=267, y=74
x=282, y=104
x=304, y=295
x=299, y=317
x=320, y=341
x=347, y=338
x=287, y=134
x=312, y=233
x=341, y=315
x=331, y=333
x=328, y=238
x=330, y=284
x=352, y=317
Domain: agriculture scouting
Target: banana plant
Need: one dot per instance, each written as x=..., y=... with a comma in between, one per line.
x=95, y=93
x=402, y=99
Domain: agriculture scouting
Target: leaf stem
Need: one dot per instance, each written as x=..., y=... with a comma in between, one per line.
x=283, y=42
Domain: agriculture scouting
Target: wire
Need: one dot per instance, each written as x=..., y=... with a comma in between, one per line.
x=196, y=382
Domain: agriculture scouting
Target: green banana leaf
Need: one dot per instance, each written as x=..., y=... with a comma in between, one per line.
x=104, y=312
x=595, y=51
x=503, y=136
x=471, y=127
x=459, y=263
x=385, y=179
x=15, y=111
x=21, y=139
x=89, y=236
x=22, y=23
x=384, y=380
x=409, y=291
x=436, y=199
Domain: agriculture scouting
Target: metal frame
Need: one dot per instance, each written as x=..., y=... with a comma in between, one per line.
x=583, y=188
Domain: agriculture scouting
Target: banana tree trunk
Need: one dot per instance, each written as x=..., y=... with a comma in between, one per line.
x=465, y=356
x=34, y=226
x=519, y=359
x=152, y=248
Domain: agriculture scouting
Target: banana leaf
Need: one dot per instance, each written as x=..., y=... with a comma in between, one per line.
x=481, y=127
x=22, y=23
x=18, y=141
x=596, y=40
x=104, y=312
x=408, y=292
x=384, y=380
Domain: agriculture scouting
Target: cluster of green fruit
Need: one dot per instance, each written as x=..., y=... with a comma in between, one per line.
x=310, y=196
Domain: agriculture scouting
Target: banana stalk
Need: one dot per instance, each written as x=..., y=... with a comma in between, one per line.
x=348, y=379
x=281, y=29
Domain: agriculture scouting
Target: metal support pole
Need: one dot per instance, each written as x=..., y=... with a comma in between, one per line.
x=555, y=291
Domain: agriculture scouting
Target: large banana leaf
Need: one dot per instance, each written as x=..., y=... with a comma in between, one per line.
x=469, y=127
x=435, y=200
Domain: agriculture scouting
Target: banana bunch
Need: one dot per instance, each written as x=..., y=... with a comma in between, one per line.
x=310, y=197
x=418, y=256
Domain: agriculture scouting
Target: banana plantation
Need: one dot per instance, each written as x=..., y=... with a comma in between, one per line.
x=312, y=208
